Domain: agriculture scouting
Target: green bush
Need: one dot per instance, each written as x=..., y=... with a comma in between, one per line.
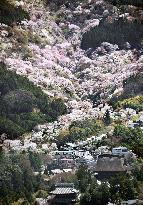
x=58, y=108
x=9, y=127
x=28, y=120
x=132, y=94
x=135, y=103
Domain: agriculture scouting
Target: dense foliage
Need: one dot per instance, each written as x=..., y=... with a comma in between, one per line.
x=127, y=2
x=96, y=194
x=132, y=93
x=132, y=138
x=80, y=130
x=133, y=85
x=121, y=187
x=23, y=105
x=118, y=32
x=61, y=2
x=135, y=103
x=11, y=14
x=17, y=181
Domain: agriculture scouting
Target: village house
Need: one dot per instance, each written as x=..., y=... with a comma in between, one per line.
x=63, y=163
x=119, y=151
x=63, y=153
x=70, y=159
x=132, y=202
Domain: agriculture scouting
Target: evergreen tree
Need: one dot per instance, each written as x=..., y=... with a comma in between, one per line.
x=84, y=178
x=106, y=117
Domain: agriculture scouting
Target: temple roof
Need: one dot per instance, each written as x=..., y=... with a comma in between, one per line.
x=64, y=190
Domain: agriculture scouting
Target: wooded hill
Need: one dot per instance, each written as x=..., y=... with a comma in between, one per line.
x=23, y=105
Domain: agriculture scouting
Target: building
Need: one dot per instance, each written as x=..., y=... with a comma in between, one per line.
x=108, y=165
x=132, y=202
x=64, y=153
x=61, y=163
x=63, y=194
x=119, y=151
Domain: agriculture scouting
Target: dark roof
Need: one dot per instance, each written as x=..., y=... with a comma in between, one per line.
x=111, y=164
x=69, y=185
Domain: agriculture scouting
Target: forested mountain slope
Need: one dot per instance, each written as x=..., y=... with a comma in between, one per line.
x=71, y=73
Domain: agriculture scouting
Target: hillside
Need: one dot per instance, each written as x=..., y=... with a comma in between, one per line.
x=23, y=105
x=71, y=80
x=47, y=48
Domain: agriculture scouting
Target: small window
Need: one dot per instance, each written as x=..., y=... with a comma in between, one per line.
x=124, y=150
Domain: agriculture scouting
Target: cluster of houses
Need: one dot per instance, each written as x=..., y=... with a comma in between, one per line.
x=103, y=162
x=69, y=160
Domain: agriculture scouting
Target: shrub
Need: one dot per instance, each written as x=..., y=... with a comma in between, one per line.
x=58, y=107
x=9, y=127
x=20, y=35
x=135, y=103
x=28, y=120
x=41, y=194
x=63, y=137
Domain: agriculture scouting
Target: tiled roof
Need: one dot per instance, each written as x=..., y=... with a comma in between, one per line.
x=64, y=190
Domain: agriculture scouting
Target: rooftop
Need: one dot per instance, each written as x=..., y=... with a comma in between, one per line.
x=63, y=190
x=111, y=164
